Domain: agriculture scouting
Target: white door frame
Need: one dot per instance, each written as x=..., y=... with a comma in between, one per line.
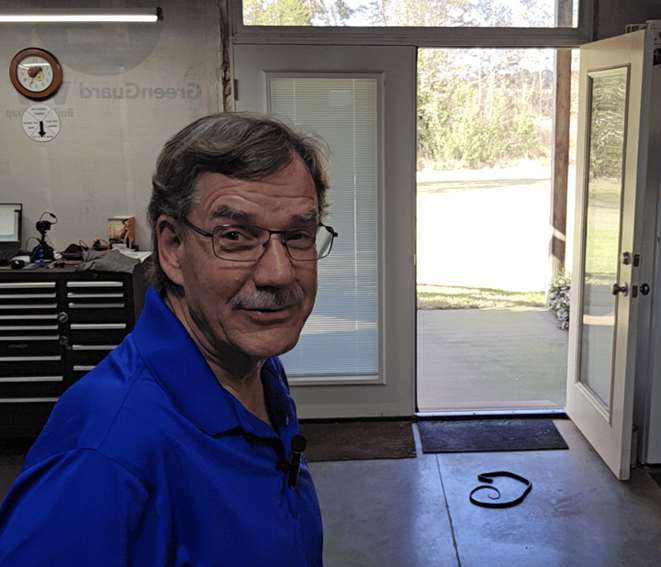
x=393, y=394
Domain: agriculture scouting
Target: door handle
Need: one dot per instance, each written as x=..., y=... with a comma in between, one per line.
x=623, y=289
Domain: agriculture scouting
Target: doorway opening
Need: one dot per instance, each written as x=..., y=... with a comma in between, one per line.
x=487, y=337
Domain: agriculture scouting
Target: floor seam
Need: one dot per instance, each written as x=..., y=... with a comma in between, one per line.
x=447, y=509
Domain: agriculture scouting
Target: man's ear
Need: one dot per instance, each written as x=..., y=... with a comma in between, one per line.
x=169, y=248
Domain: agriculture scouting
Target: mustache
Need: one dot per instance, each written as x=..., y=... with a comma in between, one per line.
x=276, y=298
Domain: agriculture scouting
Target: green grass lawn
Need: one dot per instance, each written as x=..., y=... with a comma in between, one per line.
x=454, y=297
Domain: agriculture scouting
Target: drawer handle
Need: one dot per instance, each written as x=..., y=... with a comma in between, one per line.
x=27, y=317
x=96, y=305
x=33, y=379
x=30, y=358
x=97, y=326
x=95, y=284
x=72, y=295
x=29, y=328
x=23, y=285
x=29, y=296
x=43, y=306
x=32, y=338
x=27, y=400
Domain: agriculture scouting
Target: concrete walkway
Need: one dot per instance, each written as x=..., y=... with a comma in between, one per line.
x=488, y=229
x=477, y=359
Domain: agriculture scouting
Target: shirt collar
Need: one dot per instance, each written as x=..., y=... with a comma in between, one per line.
x=177, y=364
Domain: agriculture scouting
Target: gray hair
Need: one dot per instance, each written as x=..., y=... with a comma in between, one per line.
x=238, y=145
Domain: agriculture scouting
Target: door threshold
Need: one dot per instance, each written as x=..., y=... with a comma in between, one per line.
x=559, y=413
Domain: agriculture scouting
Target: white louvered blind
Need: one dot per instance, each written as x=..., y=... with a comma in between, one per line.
x=340, y=339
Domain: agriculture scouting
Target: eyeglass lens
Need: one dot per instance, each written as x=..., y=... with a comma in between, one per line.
x=249, y=243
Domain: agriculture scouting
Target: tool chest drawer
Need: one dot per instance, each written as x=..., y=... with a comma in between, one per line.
x=55, y=326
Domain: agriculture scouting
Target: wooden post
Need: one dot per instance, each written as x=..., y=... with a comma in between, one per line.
x=560, y=150
x=560, y=158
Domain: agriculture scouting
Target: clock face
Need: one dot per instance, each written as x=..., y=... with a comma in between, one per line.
x=35, y=73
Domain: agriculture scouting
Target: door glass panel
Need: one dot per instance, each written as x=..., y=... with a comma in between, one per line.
x=419, y=13
x=341, y=337
x=604, y=197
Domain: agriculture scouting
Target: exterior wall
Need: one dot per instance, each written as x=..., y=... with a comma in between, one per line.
x=127, y=88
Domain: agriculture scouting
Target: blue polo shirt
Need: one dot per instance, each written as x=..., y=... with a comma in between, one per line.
x=148, y=461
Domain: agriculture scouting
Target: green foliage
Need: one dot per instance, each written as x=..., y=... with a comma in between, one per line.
x=456, y=297
x=476, y=107
x=276, y=13
x=296, y=12
x=480, y=115
x=558, y=298
x=335, y=13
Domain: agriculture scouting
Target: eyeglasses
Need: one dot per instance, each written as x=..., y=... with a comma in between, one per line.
x=244, y=243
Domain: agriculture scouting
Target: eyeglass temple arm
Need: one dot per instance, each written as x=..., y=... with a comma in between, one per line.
x=330, y=229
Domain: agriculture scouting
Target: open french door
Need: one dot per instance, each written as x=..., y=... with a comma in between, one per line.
x=356, y=354
x=613, y=132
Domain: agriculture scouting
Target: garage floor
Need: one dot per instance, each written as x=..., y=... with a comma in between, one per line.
x=416, y=512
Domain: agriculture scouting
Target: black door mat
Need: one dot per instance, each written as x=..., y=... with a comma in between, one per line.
x=358, y=440
x=479, y=435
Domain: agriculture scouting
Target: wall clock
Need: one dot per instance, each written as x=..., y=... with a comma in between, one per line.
x=35, y=73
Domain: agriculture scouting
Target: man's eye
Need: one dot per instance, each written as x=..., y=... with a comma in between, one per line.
x=235, y=234
x=301, y=238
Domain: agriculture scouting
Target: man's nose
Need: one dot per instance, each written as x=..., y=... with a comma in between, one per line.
x=275, y=267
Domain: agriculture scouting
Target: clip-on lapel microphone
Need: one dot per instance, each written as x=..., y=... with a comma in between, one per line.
x=298, y=445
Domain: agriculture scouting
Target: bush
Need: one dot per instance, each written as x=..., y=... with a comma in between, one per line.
x=558, y=299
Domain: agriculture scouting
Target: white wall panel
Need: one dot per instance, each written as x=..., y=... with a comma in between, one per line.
x=127, y=88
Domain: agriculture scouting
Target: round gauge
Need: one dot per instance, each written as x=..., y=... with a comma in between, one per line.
x=35, y=73
x=41, y=123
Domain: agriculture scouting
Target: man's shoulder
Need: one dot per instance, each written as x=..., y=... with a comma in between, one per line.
x=112, y=409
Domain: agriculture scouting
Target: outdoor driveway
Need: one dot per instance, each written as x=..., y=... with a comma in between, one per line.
x=488, y=229
x=485, y=228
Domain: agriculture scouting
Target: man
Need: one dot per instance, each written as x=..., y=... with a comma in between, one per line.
x=177, y=448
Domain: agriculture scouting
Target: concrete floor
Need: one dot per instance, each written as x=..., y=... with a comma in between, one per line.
x=416, y=512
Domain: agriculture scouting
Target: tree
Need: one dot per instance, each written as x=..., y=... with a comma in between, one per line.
x=296, y=12
x=476, y=107
x=276, y=13
x=336, y=13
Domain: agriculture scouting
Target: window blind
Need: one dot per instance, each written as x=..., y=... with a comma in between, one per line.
x=340, y=338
